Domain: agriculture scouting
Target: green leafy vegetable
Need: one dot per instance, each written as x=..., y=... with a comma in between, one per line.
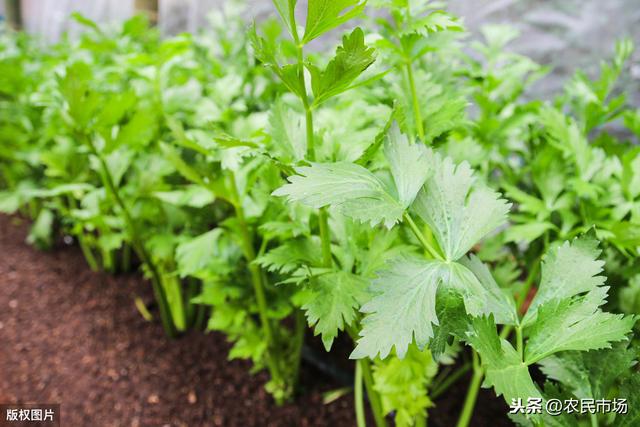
x=325, y=15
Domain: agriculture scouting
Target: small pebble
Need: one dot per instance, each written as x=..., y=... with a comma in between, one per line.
x=13, y=303
x=192, y=398
x=153, y=399
x=111, y=373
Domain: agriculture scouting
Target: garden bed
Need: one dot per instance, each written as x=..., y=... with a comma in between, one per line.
x=74, y=337
x=353, y=221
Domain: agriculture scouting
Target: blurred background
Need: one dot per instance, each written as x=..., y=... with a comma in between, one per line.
x=566, y=34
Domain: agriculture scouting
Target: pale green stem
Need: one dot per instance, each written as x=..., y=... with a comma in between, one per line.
x=519, y=345
x=325, y=233
x=156, y=279
x=421, y=238
x=412, y=87
x=88, y=254
x=417, y=114
x=506, y=330
x=84, y=247
x=359, y=396
x=472, y=393
x=257, y=282
x=451, y=379
x=374, y=397
x=300, y=328
x=325, y=238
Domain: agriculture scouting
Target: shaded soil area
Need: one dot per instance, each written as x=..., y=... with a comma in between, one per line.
x=74, y=337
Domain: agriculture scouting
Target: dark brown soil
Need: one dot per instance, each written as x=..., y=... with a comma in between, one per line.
x=74, y=337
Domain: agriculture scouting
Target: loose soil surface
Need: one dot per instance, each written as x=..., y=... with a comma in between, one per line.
x=74, y=337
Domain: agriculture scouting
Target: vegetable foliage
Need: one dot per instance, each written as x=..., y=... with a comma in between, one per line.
x=399, y=189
